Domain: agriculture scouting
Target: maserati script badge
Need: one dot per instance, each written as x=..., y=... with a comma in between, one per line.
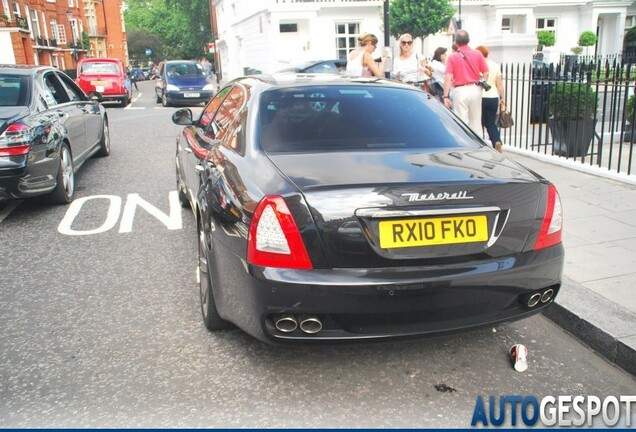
x=415, y=197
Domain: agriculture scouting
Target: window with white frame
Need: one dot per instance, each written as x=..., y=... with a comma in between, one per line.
x=630, y=21
x=71, y=3
x=346, y=38
x=61, y=34
x=44, y=27
x=548, y=24
x=506, y=25
x=15, y=7
x=6, y=10
x=75, y=30
x=35, y=24
x=54, y=30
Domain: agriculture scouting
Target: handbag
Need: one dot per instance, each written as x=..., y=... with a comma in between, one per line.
x=504, y=119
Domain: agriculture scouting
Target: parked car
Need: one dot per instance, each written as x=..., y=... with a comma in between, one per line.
x=336, y=66
x=106, y=76
x=136, y=73
x=182, y=82
x=48, y=129
x=350, y=208
x=147, y=72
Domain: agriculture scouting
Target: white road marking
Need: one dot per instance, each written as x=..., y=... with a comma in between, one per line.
x=6, y=211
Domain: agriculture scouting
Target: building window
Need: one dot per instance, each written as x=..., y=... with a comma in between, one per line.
x=548, y=24
x=35, y=24
x=346, y=38
x=506, y=26
x=44, y=27
x=75, y=30
x=6, y=10
x=54, y=33
x=71, y=3
x=288, y=28
x=630, y=21
x=61, y=34
x=16, y=9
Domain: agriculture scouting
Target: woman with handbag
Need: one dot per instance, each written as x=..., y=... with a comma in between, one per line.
x=439, y=70
x=408, y=67
x=360, y=61
x=492, y=100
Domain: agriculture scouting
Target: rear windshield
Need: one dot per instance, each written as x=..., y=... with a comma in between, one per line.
x=100, y=68
x=184, y=70
x=319, y=119
x=14, y=90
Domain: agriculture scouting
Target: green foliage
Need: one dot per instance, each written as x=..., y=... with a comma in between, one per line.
x=630, y=36
x=420, y=18
x=576, y=50
x=181, y=28
x=572, y=101
x=546, y=38
x=629, y=109
x=86, y=41
x=587, y=38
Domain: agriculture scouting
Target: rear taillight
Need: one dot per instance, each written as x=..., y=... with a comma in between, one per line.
x=274, y=239
x=551, y=228
x=15, y=140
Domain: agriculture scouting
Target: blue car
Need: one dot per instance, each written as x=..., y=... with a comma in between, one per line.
x=183, y=82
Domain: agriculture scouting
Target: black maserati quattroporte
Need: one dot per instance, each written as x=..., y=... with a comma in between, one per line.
x=337, y=208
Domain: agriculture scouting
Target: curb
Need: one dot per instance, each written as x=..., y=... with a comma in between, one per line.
x=601, y=324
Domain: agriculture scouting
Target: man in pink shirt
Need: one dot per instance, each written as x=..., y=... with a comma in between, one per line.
x=463, y=70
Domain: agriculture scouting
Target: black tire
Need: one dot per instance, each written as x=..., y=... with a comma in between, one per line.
x=211, y=318
x=104, y=144
x=123, y=102
x=164, y=100
x=158, y=98
x=64, y=191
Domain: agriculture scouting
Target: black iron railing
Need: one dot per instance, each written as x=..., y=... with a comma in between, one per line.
x=583, y=111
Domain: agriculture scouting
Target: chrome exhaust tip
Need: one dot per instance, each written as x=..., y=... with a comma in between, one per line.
x=534, y=300
x=286, y=323
x=547, y=295
x=310, y=325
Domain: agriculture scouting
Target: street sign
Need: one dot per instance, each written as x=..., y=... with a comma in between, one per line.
x=148, y=52
x=211, y=47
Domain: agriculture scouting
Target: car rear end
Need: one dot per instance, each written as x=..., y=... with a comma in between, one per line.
x=105, y=76
x=390, y=218
x=16, y=134
x=187, y=84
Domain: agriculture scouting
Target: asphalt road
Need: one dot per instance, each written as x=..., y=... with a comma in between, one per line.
x=100, y=325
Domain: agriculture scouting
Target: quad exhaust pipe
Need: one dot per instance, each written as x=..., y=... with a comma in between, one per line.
x=309, y=324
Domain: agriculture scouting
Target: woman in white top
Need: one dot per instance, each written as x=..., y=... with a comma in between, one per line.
x=439, y=70
x=407, y=67
x=492, y=100
x=360, y=61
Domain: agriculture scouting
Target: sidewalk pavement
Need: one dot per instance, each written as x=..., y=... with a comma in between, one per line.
x=597, y=300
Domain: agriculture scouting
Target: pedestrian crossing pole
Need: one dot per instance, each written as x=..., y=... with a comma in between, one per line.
x=387, y=41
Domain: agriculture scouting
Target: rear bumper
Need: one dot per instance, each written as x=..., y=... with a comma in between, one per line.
x=385, y=302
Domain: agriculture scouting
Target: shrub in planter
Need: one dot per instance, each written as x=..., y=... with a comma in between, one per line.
x=572, y=107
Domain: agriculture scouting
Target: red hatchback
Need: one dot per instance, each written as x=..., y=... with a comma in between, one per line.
x=106, y=76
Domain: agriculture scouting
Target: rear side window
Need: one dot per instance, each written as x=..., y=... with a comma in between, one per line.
x=100, y=68
x=328, y=118
x=14, y=90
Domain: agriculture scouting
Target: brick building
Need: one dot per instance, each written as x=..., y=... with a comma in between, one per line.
x=51, y=32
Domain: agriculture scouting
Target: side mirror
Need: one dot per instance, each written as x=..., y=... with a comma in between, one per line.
x=95, y=96
x=182, y=117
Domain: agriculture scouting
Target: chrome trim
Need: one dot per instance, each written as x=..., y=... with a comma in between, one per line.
x=380, y=213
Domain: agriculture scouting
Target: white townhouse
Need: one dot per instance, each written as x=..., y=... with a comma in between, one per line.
x=267, y=35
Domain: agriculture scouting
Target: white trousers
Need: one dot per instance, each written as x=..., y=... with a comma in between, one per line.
x=467, y=105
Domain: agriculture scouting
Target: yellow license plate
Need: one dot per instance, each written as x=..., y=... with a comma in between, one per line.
x=99, y=83
x=433, y=231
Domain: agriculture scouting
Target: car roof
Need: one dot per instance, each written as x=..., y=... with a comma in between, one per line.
x=22, y=69
x=180, y=61
x=289, y=79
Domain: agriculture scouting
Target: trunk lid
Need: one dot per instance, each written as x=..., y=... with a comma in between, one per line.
x=428, y=207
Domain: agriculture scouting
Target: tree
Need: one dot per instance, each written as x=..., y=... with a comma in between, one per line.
x=587, y=39
x=197, y=14
x=420, y=18
x=546, y=38
x=141, y=40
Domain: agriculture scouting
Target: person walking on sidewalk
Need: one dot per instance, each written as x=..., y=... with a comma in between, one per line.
x=492, y=100
x=464, y=69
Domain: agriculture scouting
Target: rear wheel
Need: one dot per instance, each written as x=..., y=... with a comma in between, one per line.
x=104, y=144
x=183, y=196
x=211, y=317
x=64, y=191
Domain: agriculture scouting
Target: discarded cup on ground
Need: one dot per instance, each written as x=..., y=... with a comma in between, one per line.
x=519, y=357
